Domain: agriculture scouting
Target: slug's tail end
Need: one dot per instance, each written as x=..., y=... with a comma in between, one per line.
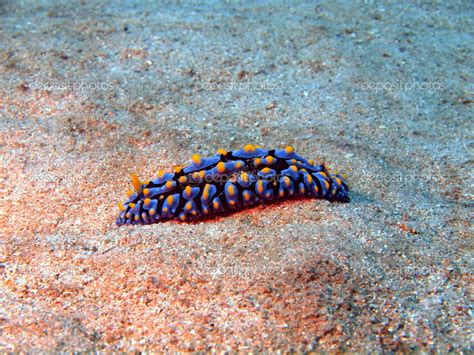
x=339, y=190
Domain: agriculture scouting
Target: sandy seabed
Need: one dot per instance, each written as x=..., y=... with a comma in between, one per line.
x=382, y=91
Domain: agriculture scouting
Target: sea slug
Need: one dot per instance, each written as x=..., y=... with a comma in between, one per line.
x=226, y=182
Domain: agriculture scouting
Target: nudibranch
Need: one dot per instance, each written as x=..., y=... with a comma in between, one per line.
x=226, y=182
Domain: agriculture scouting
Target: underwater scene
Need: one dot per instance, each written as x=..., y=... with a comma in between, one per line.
x=223, y=176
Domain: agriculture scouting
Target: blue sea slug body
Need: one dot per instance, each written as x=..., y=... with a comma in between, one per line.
x=226, y=182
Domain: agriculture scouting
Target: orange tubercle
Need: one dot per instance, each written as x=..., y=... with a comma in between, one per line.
x=197, y=159
x=221, y=167
x=249, y=148
x=231, y=189
x=188, y=190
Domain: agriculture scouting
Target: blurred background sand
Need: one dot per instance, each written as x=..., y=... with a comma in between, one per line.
x=379, y=90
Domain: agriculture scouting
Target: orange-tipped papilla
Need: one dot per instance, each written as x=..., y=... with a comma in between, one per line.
x=249, y=148
x=205, y=192
x=187, y=191
x=220, y=167
x=197, y=159
x=244, y=177
x=246, y=195
x=231, y=189
x=136, y=183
